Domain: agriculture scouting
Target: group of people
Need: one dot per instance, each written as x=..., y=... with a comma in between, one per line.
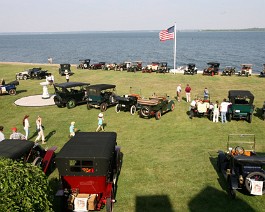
x=17, y=135
x=222, y=108
x=188, y=93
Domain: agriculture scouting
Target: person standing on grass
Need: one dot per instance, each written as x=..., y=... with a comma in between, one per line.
x=100, y=122
x=216, y=111
x=206, y=94
x=26, y=125
x=179, y=92
x=67, y=76
x=72, y=129
x=2, y=136
x=40, y=131
x=187, y=90
x=223, y=110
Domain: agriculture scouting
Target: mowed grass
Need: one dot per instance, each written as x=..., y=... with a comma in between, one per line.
x=169, y=164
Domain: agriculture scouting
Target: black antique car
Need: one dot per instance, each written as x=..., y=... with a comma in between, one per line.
x=190, y=69
x=156, y=105
x=242, y=105
x=212, y=69
x=101, y=96
x=229, y=71
x=65, y=68
x=84, y=64
x=127, y=103
x=162, y=68
x=29, y=152
x=70, y=94
x=262, y=73
x=241, y=166
x=263, y=111
x=8, y=88
x=135, y=66
x=34, y=73
x=89, y=165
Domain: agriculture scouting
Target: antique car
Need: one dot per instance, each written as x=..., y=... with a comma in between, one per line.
x=111, y=66
x=162, y=68
x=262, y=73
x=190, y=69
x=242, y=105
x=241, y=166
x=229, y=71
x=29, y=152
x=151, y=68
x=127, y=103
x=135, y=66
x=100, y=65
x=212, y=69
x=246, y=70
x=89, y=165
x=201, y=108
x=101, y=96
x=8, y=88
x=65, y=68
x=70, y=94
x=156, y=105
x=123, y=66
x=34, y=73
x=84, y=64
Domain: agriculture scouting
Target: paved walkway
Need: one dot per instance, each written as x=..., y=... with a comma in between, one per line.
x=34, y=101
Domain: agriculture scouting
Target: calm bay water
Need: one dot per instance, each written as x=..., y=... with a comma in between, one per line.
x=228, y=48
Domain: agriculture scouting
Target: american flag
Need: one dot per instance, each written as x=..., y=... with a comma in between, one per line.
x=167, y=34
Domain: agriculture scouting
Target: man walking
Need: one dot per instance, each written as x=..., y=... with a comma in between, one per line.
x=179, y=92
x=187, y=90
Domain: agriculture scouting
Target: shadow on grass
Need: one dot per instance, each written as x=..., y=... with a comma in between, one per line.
x=259, y=113
x=47, y=137
x=21, y=91
x=155, y=203
x=211, y=199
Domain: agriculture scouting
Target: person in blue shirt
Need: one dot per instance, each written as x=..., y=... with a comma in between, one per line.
x=100, y=122
x=72, y=129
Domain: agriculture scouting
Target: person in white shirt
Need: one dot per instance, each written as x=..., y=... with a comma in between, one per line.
x=223, y=110
x=26, y=125
x=179, y=92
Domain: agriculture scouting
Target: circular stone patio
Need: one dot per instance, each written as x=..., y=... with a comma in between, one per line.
x=34, y=101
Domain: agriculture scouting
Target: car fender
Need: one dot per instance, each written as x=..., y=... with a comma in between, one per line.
x=48, y=158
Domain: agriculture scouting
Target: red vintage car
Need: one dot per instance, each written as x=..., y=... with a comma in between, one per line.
x=89, y=165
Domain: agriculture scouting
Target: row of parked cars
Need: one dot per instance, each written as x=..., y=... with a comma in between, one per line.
x=102, y=96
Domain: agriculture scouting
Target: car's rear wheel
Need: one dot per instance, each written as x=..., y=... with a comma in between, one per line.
x=12, y=92
x=103, y=107
x=158, y=115
x=249, y=117
x=118, y=108
x=229, y=117
x=89, y=106
x=172, y=107
x=37, y=161
x=109, y=203
x=25, y=77
x=255, y=176
x=71, y=104
x=133, y=109
x=231, y=192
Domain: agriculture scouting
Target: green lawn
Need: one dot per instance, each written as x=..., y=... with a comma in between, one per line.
x=169, y=164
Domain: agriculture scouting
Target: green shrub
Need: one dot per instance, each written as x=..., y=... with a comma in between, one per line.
x=23, y=187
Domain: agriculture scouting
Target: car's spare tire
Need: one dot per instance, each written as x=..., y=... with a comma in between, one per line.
x=255, y=176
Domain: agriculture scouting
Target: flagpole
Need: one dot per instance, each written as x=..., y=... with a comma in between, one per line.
x=175, y=45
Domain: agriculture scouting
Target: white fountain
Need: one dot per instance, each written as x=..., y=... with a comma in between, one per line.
x=45, y=93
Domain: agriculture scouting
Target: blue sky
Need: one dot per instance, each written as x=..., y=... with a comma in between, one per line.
x=113, y=15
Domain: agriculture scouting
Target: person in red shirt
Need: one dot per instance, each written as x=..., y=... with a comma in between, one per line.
x=187, y=90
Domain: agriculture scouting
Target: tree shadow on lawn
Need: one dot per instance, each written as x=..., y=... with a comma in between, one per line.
x=153, y=203
x=21, y=91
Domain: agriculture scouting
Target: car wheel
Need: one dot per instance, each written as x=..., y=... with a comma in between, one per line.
x=89, y=106
x=145, y=111
x=172, y=107
x=158, y=115
x=211, y=115
x=229, y=117
x=109, y=203
x=249, y=118
x=231, y=192
x=17, y=78
x=71, y=104
x=12, y=92
x=103, y=107
x=25, y=77
x=255, y=176
x=37, y=161
x=133, y=109
x=263, y=116
x=118, y=108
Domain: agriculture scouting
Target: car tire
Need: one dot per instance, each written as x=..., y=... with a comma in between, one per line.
x=249, y=117
x=211, y=115
x=109, y=203
x=133, y=110
x=71, y=104
x=12, y=92
x=118, y=108
x=257, y=176
x=145, y=112
x=103, y=107
x=25, y=77
x=89, y=106
x=37, y=161
x=172, y=106
x=229, y=117
x=158, y=115
x=231, y=192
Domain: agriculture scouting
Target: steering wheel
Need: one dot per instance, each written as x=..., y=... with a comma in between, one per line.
x=239, y=150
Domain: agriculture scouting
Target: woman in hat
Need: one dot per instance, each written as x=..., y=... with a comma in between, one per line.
x=26, y=125
x=100, y=122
